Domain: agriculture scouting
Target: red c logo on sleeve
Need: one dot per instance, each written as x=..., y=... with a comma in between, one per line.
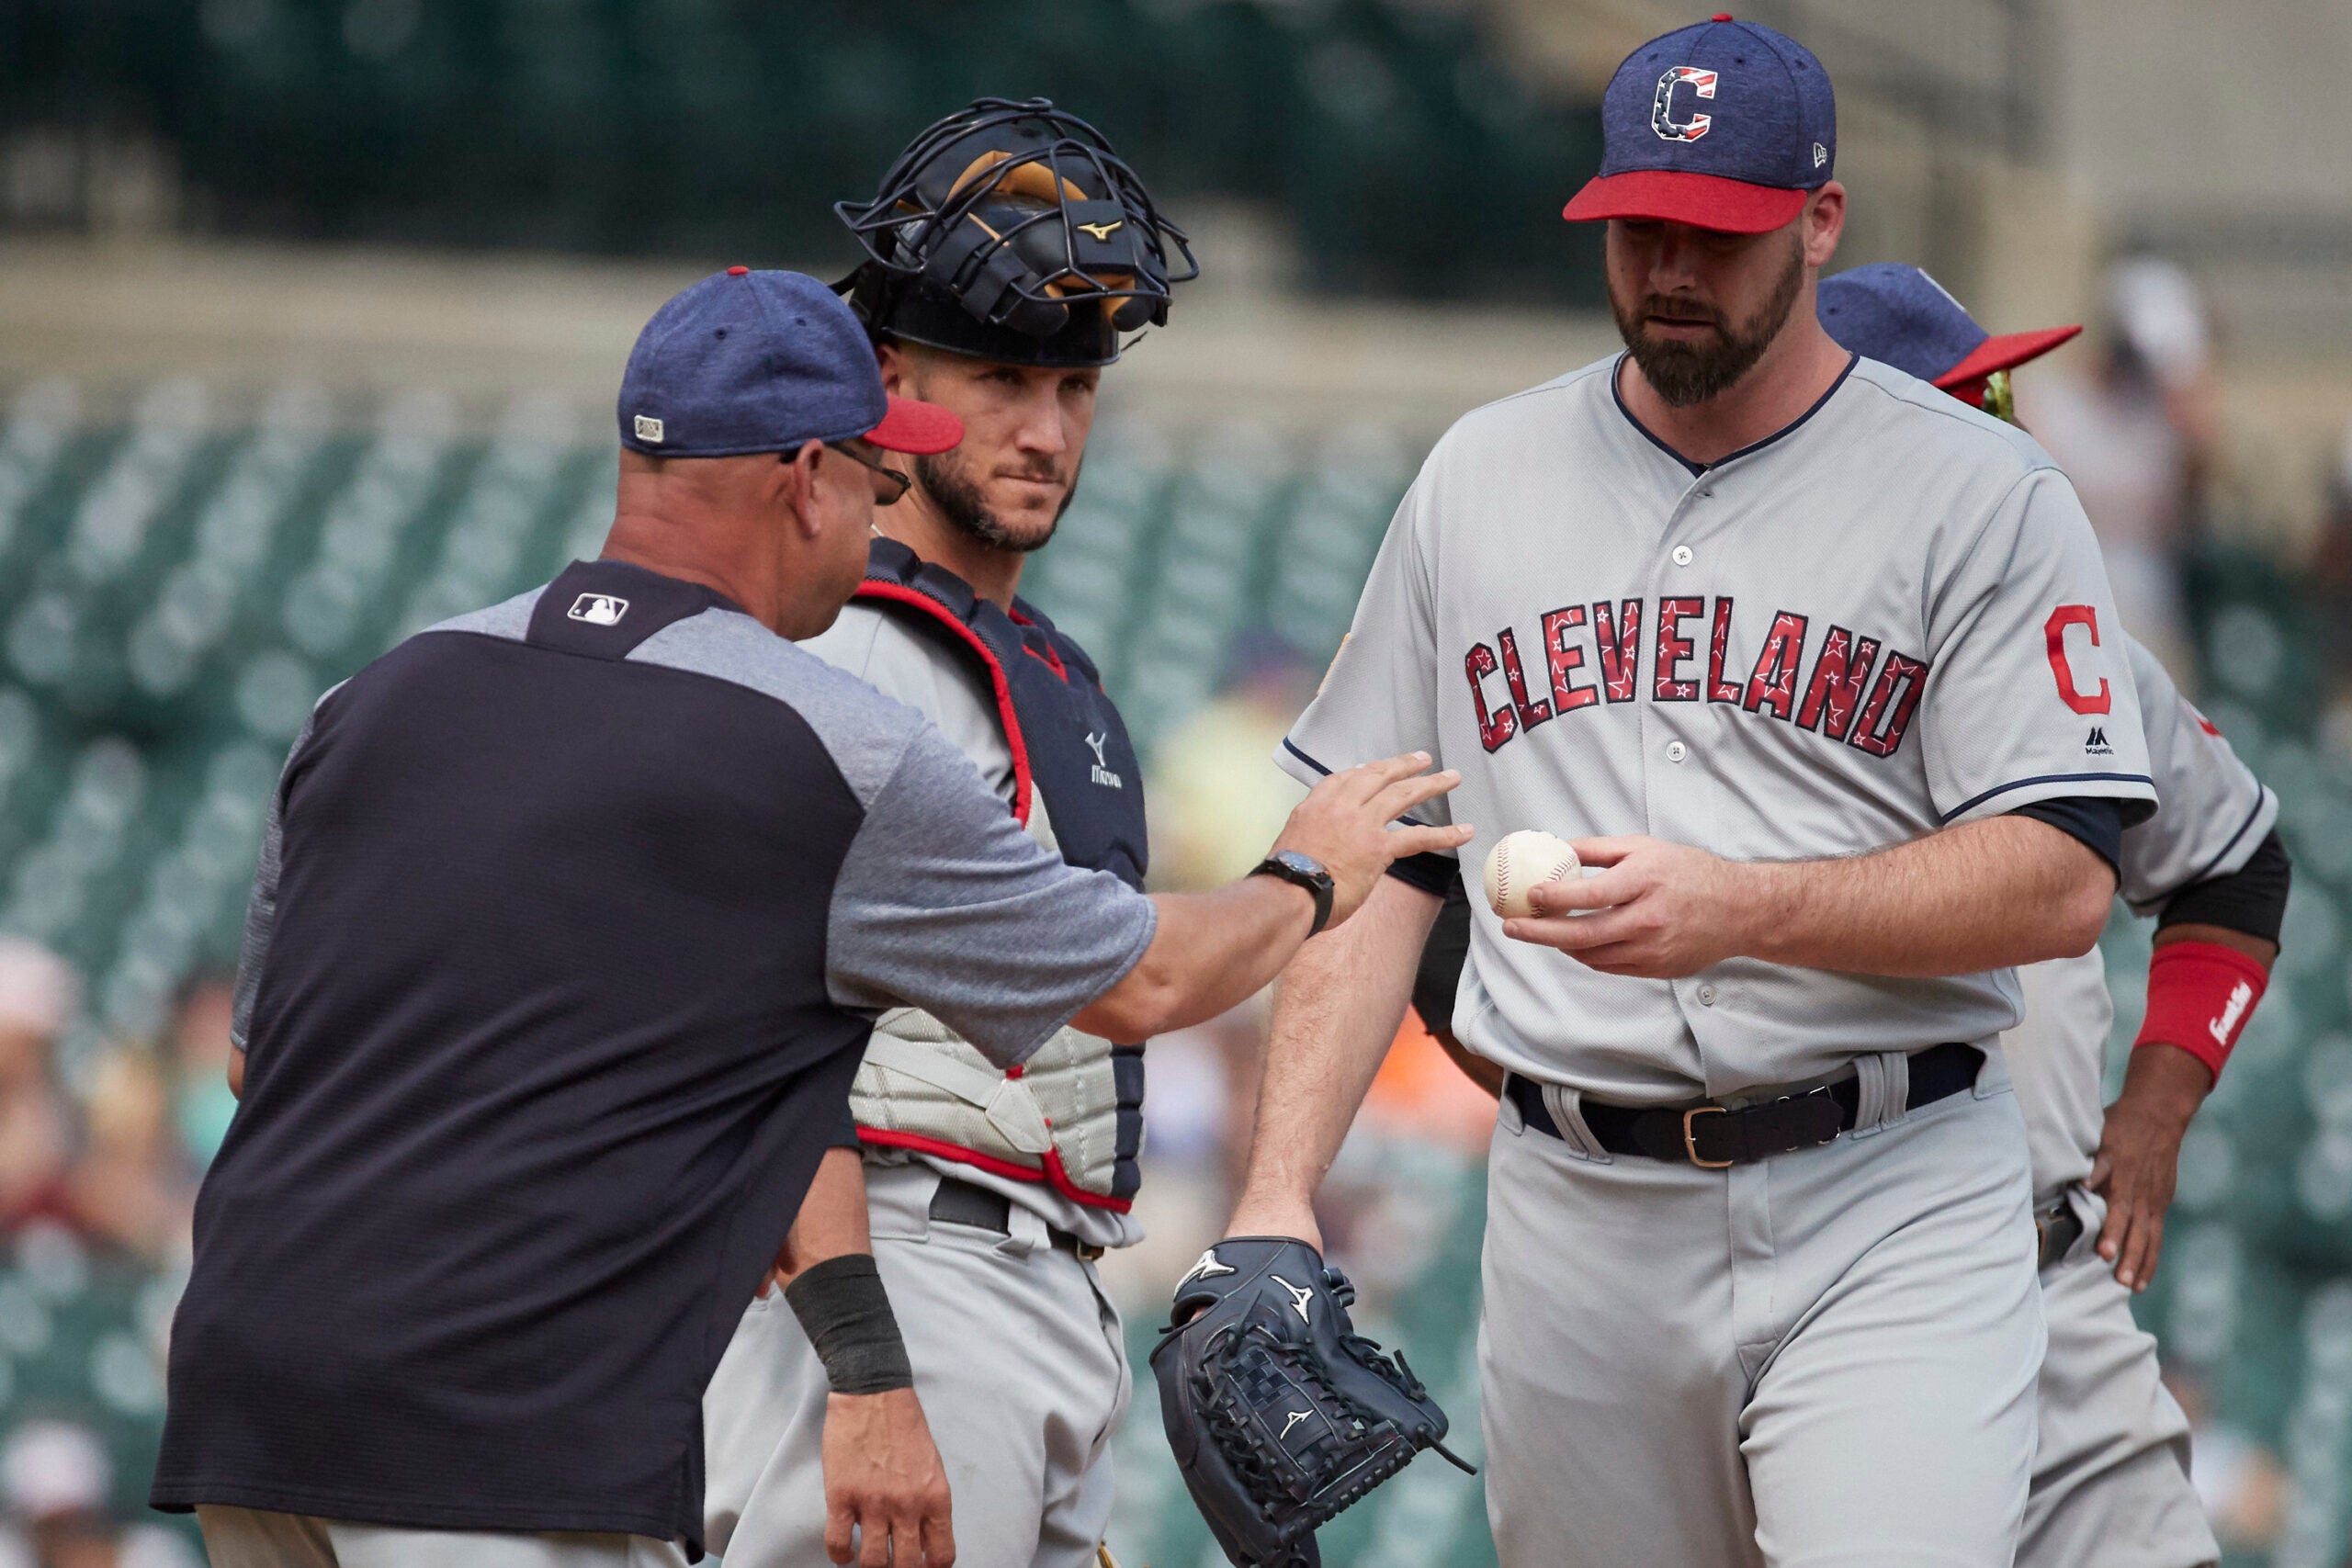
x=2054, y=630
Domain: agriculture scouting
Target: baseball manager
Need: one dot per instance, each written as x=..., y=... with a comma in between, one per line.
x=571, y=918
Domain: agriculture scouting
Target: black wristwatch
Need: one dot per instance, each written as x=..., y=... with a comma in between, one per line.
x=1301, y=871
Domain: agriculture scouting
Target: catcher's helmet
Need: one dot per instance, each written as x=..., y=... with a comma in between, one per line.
x=1011, y=231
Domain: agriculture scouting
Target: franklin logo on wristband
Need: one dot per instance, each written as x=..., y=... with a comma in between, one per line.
x=2200, y=995
x=2224, y=1027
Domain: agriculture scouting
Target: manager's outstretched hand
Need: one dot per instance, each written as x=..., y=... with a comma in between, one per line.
x=1345, y=823
x=1212, y=949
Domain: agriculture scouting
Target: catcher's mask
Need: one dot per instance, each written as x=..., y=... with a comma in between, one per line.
x=1011, y=231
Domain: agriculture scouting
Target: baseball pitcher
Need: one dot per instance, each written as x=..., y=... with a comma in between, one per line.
x=1821, y=669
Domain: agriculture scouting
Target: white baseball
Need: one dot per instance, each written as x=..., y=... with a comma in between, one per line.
x=1521, y=862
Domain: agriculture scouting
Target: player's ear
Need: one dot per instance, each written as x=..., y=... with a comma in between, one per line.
x=794, y=489
x=898, y=368
x=1824, y=220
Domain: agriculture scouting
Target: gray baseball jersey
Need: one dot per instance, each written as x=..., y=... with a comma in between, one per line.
x=2216, y=813
x=1888, y=618
x=2110, y=1475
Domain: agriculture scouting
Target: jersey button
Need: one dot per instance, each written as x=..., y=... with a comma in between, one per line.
x=1682, y=554
x=1706, y=995
x=1675, y=750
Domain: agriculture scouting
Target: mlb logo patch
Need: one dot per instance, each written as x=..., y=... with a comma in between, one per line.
x=598, y=609
x=648, y=429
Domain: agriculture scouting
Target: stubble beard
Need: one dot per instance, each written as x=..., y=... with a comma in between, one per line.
x=1684, y=374
x=961, y=502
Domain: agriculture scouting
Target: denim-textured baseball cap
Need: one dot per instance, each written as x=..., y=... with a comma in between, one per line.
x=1726, y=125
x=1900, y=316
x=746, y=362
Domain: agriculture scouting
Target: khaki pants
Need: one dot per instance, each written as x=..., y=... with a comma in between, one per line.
x=256, y=1537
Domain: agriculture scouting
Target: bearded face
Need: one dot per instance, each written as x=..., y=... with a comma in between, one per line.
x=1690, y=346
x=1016, y=511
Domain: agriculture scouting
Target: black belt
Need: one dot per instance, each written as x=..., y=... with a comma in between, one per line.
x=963, y=1204
x=1716, y=1136
x=2057, y=1229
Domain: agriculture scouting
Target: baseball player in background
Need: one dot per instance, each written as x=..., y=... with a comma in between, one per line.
x=1801, y=653
x=2111, y=1480
x=1008, y=250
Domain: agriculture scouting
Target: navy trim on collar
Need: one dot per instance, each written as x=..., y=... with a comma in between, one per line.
x=1618, y=394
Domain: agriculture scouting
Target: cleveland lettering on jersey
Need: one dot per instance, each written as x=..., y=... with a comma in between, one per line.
x=1838, y=700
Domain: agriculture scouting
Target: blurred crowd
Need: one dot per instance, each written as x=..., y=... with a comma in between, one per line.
x=98, y=1172
x=2134, y=416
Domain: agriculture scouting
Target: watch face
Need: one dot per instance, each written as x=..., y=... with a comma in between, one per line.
x=1307, y=865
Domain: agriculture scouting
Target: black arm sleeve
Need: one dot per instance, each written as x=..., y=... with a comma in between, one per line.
x=1429, y=871
x=2251, y=899
x=1442, y=957
x=2096, y=821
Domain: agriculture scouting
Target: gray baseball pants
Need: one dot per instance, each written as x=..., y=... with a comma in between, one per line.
x=1824, y=1359
x=2110, y=1482
x=258, y=1538
x=1018, y=1361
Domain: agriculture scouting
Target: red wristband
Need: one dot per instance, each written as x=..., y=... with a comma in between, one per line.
x=2200, y=995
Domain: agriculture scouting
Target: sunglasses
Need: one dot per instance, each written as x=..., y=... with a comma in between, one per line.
x=890, y=486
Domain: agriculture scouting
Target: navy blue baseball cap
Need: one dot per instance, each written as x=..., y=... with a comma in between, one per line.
x=1726, y=125
x=746, y=362
x=1900, y=316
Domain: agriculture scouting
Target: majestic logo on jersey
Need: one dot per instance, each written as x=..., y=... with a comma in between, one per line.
x=1208, y=1267
x=598, y=609
x=2053, y=631
x=2097, y=745
x=1299, y=1296
x=1102, y=774
x=1691, y=126
x=1837, y=698
x=2224, y=1027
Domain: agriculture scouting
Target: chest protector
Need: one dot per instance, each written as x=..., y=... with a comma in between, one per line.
x=1072, y=1115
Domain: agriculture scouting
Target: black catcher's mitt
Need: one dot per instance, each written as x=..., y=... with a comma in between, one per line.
x=1279, y=1413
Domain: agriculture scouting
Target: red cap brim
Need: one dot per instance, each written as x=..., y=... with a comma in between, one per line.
x=2003, y=351
x=920, y=428
x=1704, y=201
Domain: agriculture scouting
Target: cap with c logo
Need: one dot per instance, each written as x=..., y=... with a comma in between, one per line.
x=1727, y=125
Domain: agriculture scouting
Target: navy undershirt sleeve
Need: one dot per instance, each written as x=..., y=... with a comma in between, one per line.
x=2097, y=820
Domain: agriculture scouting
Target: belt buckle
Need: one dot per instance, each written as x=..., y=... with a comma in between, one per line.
x=1691, y=1142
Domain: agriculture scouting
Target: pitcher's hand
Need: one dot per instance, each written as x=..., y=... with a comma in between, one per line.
x=1658, y=910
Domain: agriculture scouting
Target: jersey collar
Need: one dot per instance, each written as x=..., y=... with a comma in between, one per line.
x=1617, y=395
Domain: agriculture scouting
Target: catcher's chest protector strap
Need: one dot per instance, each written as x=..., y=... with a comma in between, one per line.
x=1066, y=736
x=923, y=1091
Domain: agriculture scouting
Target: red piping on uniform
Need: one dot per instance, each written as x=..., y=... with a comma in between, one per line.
x=1050, y=657
x=1007, y=719
x=1055, y=1175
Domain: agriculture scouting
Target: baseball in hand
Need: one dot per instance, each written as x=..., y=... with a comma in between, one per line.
x=1524, y=861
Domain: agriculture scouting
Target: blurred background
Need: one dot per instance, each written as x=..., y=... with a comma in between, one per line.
x=311, y=313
